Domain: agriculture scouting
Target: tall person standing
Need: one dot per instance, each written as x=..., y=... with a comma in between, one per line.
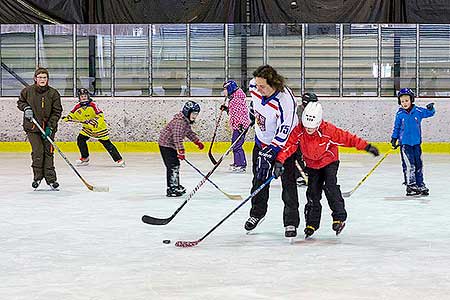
x=275, y=116
x=43, y=103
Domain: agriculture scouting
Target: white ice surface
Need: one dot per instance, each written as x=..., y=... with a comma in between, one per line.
x=77, y=244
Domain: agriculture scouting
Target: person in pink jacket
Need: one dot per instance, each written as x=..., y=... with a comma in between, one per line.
x=239, y=121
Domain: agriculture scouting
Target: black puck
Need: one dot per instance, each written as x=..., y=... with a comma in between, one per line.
x=166, y=241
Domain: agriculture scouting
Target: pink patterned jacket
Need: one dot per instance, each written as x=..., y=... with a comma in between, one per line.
x=173, y=134
x=238, y=110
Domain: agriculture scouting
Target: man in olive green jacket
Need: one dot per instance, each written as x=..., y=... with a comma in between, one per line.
x=43, y=103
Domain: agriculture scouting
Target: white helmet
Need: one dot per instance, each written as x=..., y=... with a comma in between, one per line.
x=312, y=115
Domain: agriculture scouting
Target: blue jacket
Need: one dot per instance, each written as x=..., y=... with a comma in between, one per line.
x=407, y=125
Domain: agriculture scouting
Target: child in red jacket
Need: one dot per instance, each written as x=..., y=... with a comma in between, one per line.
x=319, y=141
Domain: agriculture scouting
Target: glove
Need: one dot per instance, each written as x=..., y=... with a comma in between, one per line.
x=200, y=145
x=48, y=132
x=278, y=169
x=180, y=154
x=28, y=113
x=264, y=163
x=394, y=143
x=224, y=108
x=241, y=128
x=372, y=149
x=430, y=106
x=65, y=119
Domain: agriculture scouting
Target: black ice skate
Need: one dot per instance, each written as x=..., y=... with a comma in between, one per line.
x=252, y=222
x=173, y=192
x=338, y=226
x=54, y=185
x=309, y=231
x=181, y=189
x=290, y=231
x=412, y=190
x=35, y=184
x=424, y=191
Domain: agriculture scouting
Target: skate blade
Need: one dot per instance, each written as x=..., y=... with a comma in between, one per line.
x=291, y=240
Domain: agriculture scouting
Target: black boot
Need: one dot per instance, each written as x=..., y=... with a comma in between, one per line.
x=412, y=190
x=424, y=190
x=54, y=185
x=338, y=226
x=251, y=223
x=173, y=192
x=35, y=184
x=309, y=231
x=290, y=231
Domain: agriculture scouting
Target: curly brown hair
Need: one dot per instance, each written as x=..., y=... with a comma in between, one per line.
x=275, y=80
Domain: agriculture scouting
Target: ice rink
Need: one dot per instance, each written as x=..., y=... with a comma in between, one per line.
x=77, y=244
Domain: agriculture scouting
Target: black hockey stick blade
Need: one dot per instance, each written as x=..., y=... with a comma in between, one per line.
x=156, y=221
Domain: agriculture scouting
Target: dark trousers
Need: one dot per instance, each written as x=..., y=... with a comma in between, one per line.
x=289, y=193
x=412, y=164
x=112, y=150
x=318, y=180
x=172, y=164
x=42, y=156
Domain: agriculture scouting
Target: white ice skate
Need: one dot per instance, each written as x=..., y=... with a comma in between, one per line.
x=82, y=161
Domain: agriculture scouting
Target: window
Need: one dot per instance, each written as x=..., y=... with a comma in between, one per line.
x=398, y=58
x=94, y=58
x=169, y=55
x=207, y=55
x=18, y=58
x=245, y=53
x=434, y=60
x=322, y=59
x=284, y=52
x=131, y=51
x=56, y=54
x=360, y=66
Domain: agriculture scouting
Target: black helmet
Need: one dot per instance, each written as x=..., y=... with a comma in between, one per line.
x=190, y=107
x=309, y=97
x=83, y=91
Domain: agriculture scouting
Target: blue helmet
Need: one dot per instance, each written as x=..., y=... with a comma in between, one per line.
x=231, y=86
x=190, y=107
x=406, y=91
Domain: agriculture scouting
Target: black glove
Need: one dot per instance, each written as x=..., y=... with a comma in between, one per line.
x=264, y=163
x=240, y=128
x=224, y=108
x=28, y=113
x=394, y=143
x=372, y=149
x=430, y=106
x=278, y=169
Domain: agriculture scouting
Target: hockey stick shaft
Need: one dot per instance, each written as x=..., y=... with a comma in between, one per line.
x=89, y=186
x=229, y=196
x=210, y=155
x=186, y=244
x=349, y=193
x=157, y=221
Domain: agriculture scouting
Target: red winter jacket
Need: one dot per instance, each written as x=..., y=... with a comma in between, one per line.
x=320, y=148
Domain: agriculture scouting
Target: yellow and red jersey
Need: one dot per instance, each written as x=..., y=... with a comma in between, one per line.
x=92, y=118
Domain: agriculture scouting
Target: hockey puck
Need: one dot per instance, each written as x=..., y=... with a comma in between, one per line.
x=166, y=241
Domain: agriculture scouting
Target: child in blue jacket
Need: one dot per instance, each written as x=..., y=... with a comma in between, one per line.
x=407, y=135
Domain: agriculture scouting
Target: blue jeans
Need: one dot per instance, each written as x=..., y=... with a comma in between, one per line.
x=412, y=164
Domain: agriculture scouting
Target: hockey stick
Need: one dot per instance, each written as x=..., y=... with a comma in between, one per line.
x=349, y=193
x=229, y=196
x=187, y=244
x=156, y=221
x=211, y=157
x=89, y=186
x=302, y=172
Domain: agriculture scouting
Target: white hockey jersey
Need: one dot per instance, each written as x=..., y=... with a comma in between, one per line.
x=275, y=117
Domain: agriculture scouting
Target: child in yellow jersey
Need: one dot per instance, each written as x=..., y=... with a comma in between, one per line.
x=94, y=126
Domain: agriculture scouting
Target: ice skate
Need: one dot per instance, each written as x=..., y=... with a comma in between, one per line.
x=338, y=226
x=181, y=189
x=35, y=184
x=309, y=231
x=412, y=190
x=290, y=232
x=238, y=169
x=424, y=191
x=251, y=223
x=82, y=161
x=54, y=186
x=120, y=163
x=173, y=192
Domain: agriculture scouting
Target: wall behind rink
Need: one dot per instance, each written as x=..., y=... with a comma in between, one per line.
x=141, y=119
